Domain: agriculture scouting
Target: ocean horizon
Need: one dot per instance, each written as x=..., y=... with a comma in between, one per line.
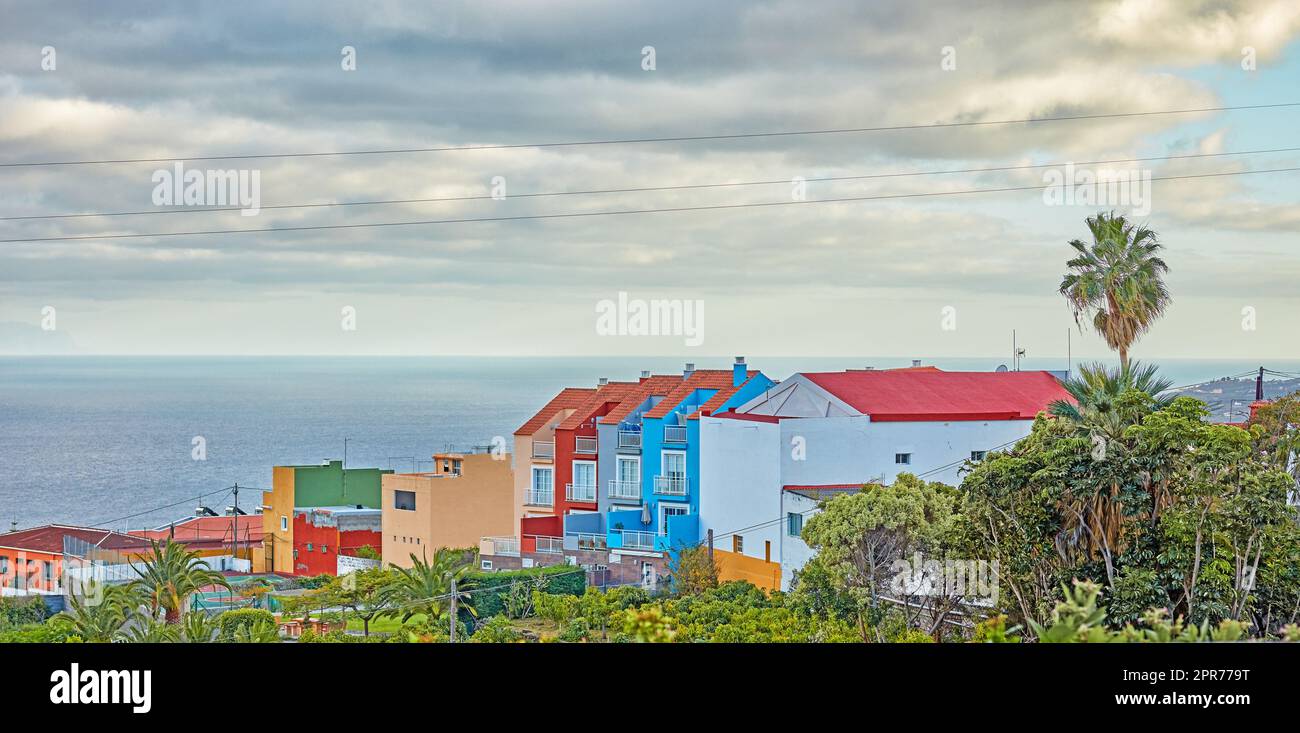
x=108, y=440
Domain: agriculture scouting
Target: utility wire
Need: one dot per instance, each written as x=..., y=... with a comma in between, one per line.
x=647, y=189
x=615, y=212
x=186, y=500
x=642, y=140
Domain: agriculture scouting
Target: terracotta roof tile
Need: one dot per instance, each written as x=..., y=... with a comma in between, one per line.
x=659, y=384
x=207, y=528
x=567, y=399
x=612, y=392
x=716, y=401
x=699, y=379
x=50, y=538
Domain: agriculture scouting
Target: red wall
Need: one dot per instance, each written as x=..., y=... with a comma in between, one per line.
x=316, y=561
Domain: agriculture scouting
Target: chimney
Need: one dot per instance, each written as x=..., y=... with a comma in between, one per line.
x=645, y=374
x=603, y=381
x=738, y=372
x=689, y=370
x=916, y=362
x=867, y=368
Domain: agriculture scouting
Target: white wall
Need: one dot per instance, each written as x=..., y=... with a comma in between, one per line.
x=795, y=553
x=740, y=481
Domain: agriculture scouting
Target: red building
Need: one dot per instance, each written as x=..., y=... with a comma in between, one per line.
x=321, y=534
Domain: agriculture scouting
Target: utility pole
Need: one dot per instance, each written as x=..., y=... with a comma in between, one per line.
x=234, y=529
x=344, y=472
x=1259, y=385
x=453, y=610
x=710, y=544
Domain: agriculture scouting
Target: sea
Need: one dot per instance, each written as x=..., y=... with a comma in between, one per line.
x=110, y=440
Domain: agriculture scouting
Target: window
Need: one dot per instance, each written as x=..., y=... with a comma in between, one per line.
x=309, y=547
x=977, y=455
x=49, y=572
x=794, y=524
x=737, y=544
x=486, y=565
x=295, y=553
x=767, y=550
x=904, y=459
x=404, y=500
x=674, y=464
x=667, y=510
x=325, y=549
x=584, y=473
x=455, y=467
x=284, y=523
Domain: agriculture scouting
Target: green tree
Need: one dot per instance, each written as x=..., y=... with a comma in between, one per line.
x=1103, y=399
x=425, y=587
x=170, y=575
x=1117, y=280
x=100, y=612
x=693, y=570
x=363, y=592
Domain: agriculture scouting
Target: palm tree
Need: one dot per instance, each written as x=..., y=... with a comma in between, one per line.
x=99, y=614
x=170, y=575
x=199, y=628
x=1118, y=280
x=1097, y=394
x=146, y=630
x=261, y=631
x=426, y=587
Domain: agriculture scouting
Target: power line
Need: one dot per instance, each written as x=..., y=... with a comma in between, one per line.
x=645, y=189
x=644, y=140
x=165, y=506
x=614, y=212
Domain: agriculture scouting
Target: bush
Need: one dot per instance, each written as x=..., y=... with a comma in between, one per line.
x=554, y=579
x=230, y=622
x=38, y=634
x=21, y=611
x=496, y=631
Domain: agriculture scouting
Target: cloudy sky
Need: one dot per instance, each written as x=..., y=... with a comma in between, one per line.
x=854, y=278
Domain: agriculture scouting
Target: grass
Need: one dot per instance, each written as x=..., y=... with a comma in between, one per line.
x=384, y=625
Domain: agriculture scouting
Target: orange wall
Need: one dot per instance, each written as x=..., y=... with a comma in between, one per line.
x=733, y=566
x=278, y=544
x=450, y=511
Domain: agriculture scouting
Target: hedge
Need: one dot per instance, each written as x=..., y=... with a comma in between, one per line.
x=563, y=580
x=240, y=618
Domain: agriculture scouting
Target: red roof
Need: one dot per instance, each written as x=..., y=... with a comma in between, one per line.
x=699, y=379
x=567, y=399
x=922, y=394
x=208, y=529
x=50, y=539
x=659, y=384
x=605, y=394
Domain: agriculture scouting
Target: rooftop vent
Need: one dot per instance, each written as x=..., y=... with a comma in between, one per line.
x=603, y=381
x=645, y=374
x=916, y=362
x=690, y=369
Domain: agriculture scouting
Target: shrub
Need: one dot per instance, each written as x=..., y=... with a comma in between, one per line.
x=554, y=579
x=231, y=622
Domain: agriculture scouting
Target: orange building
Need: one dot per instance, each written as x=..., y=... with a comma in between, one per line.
x=32, y=560
x=209, y=536
x=466, y=497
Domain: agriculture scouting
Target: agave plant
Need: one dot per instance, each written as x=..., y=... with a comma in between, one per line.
x=145, y=630
x=199, y=628
x=258, y=632
x=170, y=575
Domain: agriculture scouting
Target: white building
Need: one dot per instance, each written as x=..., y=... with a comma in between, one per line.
x=764, y=465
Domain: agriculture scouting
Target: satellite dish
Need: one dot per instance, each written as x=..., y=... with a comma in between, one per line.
x=1001, y=368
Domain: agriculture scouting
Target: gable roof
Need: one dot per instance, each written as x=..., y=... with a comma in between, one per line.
x=49, y=539
x=659, y=384
x=567, y=399
x=923, y=394
x=717, y=400
x=611, y=392
x=699, y=379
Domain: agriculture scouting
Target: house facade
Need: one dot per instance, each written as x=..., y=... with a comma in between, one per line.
x=37, y=561
x=327, y=484
x=824, y=432
x=468, y=496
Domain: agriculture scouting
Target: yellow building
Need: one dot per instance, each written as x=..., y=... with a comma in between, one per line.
x=466, y=497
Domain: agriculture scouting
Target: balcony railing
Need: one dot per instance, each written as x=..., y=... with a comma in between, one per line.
x=674, y=433
x=543, y=449
x=584, y=445
x=590, y=541
x=672, y=485
x=637, y=540
x=550, y=545
x=505, y=546
x=580, y=492
x=539, y=497
x=625, y=490
x=629, y=439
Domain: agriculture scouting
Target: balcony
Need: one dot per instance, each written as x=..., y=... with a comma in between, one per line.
x=550, y=545
x=584, y=445
x=674, y=433
x=674, y=484
x=544, y=449
x=629, y=439
x=580, y=492
x=503, y=546
x=539, y=497
x=588, y=541
x=630, y=539
x=625, y=490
